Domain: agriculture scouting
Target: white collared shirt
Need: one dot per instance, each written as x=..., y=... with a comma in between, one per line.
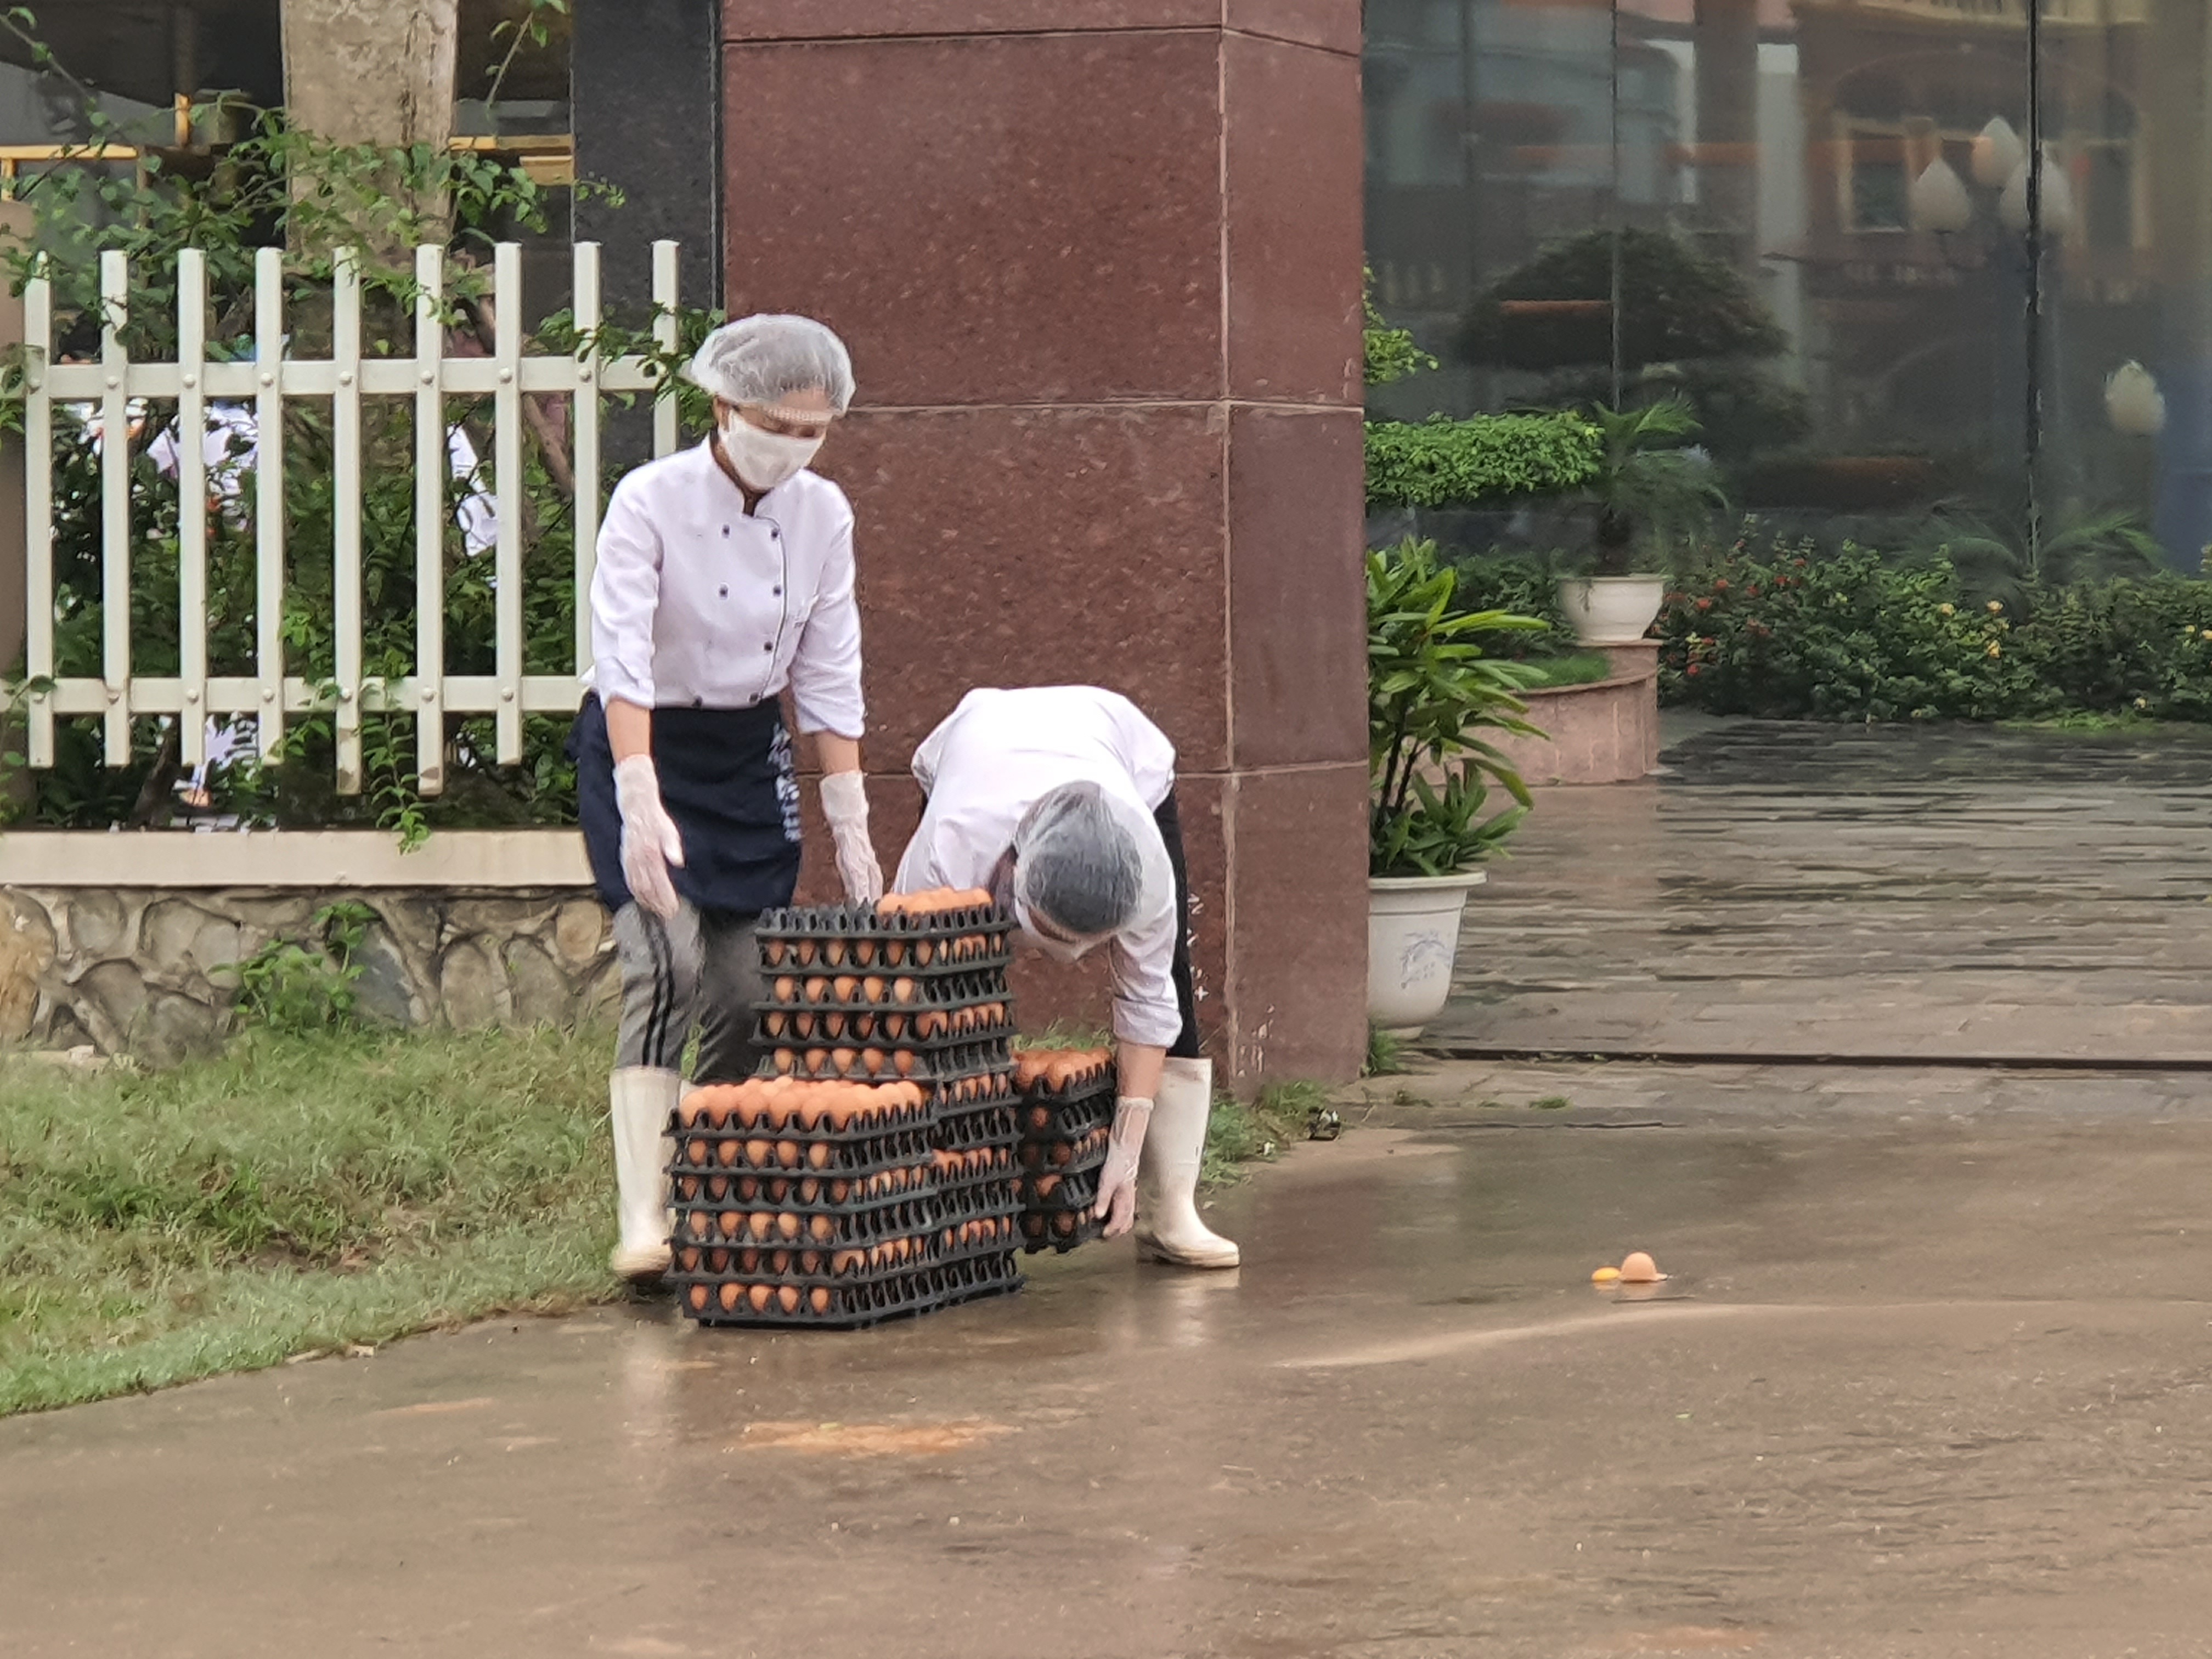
x=988, y=764
x=696, y=604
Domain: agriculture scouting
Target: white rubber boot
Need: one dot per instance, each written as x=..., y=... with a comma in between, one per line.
x=1167, y=1228
x=640, y=1101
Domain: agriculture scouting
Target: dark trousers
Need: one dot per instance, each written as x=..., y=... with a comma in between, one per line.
x=1186, y=1045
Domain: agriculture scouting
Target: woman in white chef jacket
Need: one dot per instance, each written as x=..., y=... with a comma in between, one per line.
x=1061, y=800
x=725, y=577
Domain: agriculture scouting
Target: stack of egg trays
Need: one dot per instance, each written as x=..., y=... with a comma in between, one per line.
x=984, y=1192
x=752, y=1245
x=1061, y=1148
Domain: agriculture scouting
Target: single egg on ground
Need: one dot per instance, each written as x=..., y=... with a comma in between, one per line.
x=1638, y=1268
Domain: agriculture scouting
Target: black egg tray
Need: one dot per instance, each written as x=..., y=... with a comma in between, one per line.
x=964, y=988
x=702, y=1224
x=947, y=1061
x=1078, y=1191
x=1036, y=1156
x=908, y=1041
x=723, y=1191
x=1086, y=1230
x=1065, y=1120
x=856, y=1304
x=853, y=1156
x=794, y=1264
x=999, y=1170
x=1008, y=1244
x=801, y=938
x=977, y=1201
x=1106, y=1081
x=880, y=1123
x=962, y=1095
x=964, y=1130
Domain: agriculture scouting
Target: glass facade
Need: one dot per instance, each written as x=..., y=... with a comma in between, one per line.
x=1820, y=221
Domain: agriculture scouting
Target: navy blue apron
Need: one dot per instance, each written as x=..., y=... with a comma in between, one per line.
x=726, y=778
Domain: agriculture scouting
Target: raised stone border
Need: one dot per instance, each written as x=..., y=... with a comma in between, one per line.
x=120, y=941
x=1604, y=732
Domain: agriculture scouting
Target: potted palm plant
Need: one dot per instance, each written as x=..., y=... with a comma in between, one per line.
x=1432, y=695
x=1649, y=484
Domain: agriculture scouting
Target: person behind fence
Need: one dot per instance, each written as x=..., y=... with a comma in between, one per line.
x=725, y=577
x=1061, y=800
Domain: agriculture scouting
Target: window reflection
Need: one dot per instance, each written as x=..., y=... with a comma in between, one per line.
x=1836, y=225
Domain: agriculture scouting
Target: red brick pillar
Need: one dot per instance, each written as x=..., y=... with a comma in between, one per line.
x=1098, y=262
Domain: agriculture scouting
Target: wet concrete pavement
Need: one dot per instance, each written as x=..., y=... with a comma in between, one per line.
x=1925, y=1388
x=1790, y=889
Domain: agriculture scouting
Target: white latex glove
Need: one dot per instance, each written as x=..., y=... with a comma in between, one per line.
x=649, y=842
x=1117, y=1181
x=845, y=803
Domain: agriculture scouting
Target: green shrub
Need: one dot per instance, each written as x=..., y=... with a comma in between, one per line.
x=1785, y=635
x=1522, y=585
x=2123, y=647
x=1442, y=462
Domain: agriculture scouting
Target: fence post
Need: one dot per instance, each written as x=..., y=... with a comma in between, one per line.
x=268, y=500
x=346, y=492
x=431, y=468
x=586, y=422
x=666, y=430
x=192, y=503
x=39, y=512
x=507, y=342
x=115, y=506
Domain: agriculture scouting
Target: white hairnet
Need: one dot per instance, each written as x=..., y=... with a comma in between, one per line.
x=1080, y=860
x=761, y=360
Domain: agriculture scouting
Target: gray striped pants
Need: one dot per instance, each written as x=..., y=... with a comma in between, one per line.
x=702, y=969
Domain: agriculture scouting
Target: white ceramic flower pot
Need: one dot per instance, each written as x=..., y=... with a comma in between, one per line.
x=1611, y=610
x=1412, y=940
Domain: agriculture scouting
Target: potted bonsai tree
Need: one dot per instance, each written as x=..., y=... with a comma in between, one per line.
x=1431, y=697
x=1648, y=486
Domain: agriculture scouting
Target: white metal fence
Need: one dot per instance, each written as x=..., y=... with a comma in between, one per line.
x=427, y=377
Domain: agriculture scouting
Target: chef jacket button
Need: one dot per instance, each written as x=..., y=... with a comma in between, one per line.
x=770, y=646
x=776, y=592
x=726, y=593
x=726, y=530
x=698, y=703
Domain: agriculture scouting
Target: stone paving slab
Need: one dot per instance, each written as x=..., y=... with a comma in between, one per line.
x=1797, y=889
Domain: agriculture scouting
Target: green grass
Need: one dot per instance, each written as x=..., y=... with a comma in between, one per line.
x=1581, y=668
x=1246, y=1133
x=295, y=1194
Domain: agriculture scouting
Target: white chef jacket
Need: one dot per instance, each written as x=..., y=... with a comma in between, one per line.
x=988, y=764
x=696, y=604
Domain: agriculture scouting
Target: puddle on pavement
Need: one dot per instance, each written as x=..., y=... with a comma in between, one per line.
x=870, y=1439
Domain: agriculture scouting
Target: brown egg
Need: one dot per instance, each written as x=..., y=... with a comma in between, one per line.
x=872, y=1061
x=787, y=990
x=818, y=1299
x=745, y=1187
x=809, y=1261
x=810, y=1190
x=1046, y=1185
x=902, y=1063
x=789, y=1154
x=729, y=1222
x=893, y=952
x=1638, y=1268
x=699, y=1297
x=924, y=953
x=871, y=988
x=819, y=1154
x=843, y=1062
x=748, y=1261
x=775, y=1024
x=832, y=1025
x=833, y=951
x=846, y=987
x=784, y=1060
x=760, y=1296
x=840, y=1191
x=817, y=989
x=761, y=1154
x=804, y=952
x=1062, y=1153
x=1063, y=1225
x=894, y=1026
x=864, y=951
x=728, y=1153
x=776, y=950
x=718, y=1261
x=759, y=1224
x=688, y=1258
x=786, y=1225
x=849, y=1262
x=778, y=1190
x=687, y=1188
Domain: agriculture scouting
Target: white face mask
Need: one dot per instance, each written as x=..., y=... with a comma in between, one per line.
x=763, y=459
